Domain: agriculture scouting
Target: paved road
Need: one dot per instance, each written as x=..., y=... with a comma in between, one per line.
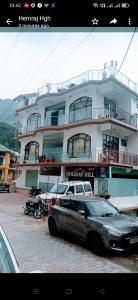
x=35, y=249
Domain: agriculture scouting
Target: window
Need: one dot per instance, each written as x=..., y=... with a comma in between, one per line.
x=123, y=142
x=100, y=208
x=32, y=151
x=72, y=205
x=79, y=189
x=80, y=109
x=33, y=122
x=71, y=189
x=1, y=160
x=59, y=188
x=110, y=147
x=79, y=144
x=66, y=203
x=110, y=108
x=77, y=205
x=87, y=187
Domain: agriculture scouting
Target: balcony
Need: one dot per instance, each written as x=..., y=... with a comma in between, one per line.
x=95, y=115
x=117, y=113
x=111, y=157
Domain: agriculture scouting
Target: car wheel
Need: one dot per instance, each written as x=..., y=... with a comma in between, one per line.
x=37, y=214
x=26, y=211
x=52, y=227
x=95, y=243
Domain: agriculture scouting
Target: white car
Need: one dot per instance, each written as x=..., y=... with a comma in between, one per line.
x=8, y=262
x=66, y=188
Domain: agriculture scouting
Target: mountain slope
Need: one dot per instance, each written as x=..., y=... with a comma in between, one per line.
x=7, y=111
x=7, y=137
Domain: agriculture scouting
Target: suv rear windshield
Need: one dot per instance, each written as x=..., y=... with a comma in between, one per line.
x=59, y=189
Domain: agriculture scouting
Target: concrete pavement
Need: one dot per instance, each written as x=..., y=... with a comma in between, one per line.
x=35, y=249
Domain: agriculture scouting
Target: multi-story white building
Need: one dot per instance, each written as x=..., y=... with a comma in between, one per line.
x=85, y=128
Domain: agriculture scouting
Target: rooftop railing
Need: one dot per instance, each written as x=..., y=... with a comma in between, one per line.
x=88, y=76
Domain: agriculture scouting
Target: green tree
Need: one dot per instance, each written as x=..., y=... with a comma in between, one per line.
x=8, y=137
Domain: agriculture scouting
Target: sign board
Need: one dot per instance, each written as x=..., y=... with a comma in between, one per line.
x=87, y=172
x=84, y=172
x=102, y=172
x=53, y=171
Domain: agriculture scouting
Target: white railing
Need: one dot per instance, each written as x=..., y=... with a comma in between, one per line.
x=103, y=156
x=88, y=76
x=109, y=111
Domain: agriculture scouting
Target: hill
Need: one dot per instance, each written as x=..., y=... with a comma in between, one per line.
x=7, y=137
x=7, y=111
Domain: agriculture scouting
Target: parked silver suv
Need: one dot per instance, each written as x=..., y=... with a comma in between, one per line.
x=95, y=221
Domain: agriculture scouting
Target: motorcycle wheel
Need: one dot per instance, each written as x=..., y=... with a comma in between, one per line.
x=26, y=211
x=38, y=214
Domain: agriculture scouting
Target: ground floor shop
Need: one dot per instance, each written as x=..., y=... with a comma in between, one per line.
x=105, y=179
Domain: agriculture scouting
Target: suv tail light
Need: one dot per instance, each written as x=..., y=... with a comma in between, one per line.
x=54, y=200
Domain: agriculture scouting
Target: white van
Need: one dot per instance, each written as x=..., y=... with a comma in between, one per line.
x=67, y=188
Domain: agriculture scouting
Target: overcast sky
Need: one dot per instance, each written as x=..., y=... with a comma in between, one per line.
x=29, y=59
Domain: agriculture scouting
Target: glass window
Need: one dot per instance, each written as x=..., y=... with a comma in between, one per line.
x=32, y=151
x=71, y=189
x=59, y=188
x=87, y=187
x=66, y=203
x=77, y=205
x=110, y=147
x=80, y=109
x=33, y=122
x=79, y=144
x=79, y=189
x=1, y=160
x=123, y=142
x=100, y=208
x=72, y=205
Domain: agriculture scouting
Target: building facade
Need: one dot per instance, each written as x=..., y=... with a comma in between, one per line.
x=8, y=172
x=85, y=128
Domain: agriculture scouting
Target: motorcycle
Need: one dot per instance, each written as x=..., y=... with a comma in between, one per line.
x=35, y=191
x=35, y=207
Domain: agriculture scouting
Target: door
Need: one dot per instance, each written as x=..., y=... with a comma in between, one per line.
x=31, y=178
x=54, y=117
x=77, y=223
x=79, y=189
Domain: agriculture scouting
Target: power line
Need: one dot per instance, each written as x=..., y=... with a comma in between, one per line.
x=44, y=60
x=9, y=54
x=127, y=50
x=73, y=50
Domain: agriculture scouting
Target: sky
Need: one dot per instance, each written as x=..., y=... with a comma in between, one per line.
x=30, y=59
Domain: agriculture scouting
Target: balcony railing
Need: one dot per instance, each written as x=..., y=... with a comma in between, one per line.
x=86, y=114
x=99, y=156
x=88, y=76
